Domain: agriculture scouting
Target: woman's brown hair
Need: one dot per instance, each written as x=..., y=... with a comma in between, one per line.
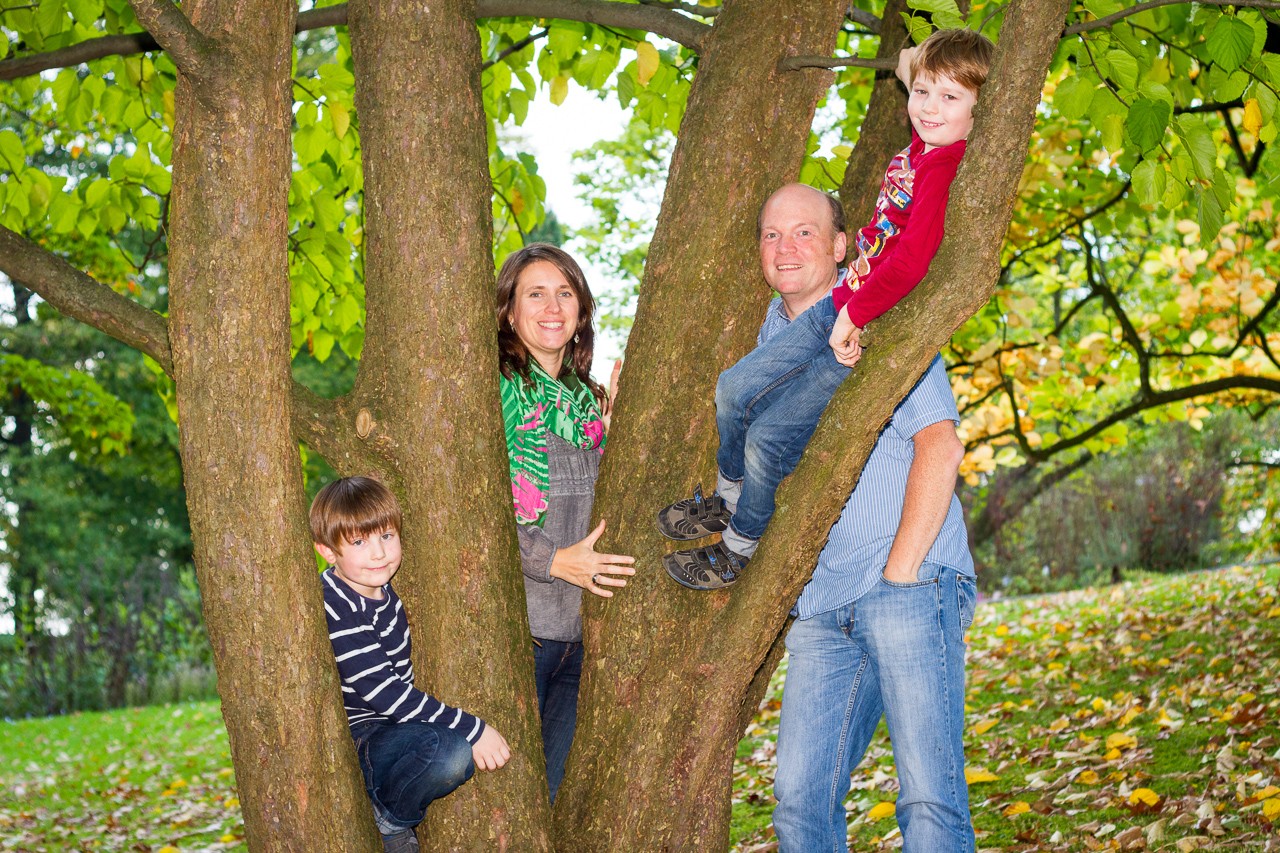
x=513, y=355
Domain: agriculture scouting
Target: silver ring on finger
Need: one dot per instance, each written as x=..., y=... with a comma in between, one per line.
x=595, y=580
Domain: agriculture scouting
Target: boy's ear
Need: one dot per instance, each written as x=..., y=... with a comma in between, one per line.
x=326, y=553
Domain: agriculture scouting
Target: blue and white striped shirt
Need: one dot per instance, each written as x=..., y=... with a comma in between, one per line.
x=371, y=645
x=854, y=558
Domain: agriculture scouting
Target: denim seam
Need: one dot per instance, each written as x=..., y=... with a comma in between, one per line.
x=781, y=380
x=842, y=759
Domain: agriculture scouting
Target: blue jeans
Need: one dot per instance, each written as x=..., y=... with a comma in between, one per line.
x=557, y=670
x=767, y=407
x=897, y=651
x=408, y=765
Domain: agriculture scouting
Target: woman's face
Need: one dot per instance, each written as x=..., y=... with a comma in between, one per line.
x=545, y=314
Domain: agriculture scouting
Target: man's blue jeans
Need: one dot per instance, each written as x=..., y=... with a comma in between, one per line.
x=557, y=671
x=897, y=651
x=408, y=765
x=767, y=407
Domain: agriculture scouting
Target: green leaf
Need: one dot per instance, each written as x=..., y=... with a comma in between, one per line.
x=1112, y=129
x=12, y=151
x=1230, y=42
x=1149, y=178
x=1227, y=86
x=85, y=12
x=564, y=40
x=322, y=342
x=1124, y=67
x=95, y=191
x=1209, y=215
x=1147, y=121
x=918, y=28
x=1198, y=141
x=1073, y=96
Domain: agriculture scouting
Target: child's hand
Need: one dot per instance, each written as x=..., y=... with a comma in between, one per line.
x=491, y=751
x=844, y=340
x=904, y=64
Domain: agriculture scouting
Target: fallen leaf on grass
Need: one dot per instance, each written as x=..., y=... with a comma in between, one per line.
x=881, y=810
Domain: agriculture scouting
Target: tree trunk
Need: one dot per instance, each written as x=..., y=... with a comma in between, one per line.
x=229, y=334
x=433, y=393
x=665, y=689
x=658, y=720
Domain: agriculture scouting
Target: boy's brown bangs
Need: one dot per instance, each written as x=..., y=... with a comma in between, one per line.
x=353, y=508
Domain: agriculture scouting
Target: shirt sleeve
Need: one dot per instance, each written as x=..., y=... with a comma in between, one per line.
x=366, y=669
x=536, y=552
x=906, y=265
x=929, y=402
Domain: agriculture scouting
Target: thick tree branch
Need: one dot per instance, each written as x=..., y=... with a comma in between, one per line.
x=82, y=298
x=866, y=19
x=654, y=19
x=687, y=8
x=1103, y=23
x=795, y=63
x=190, y=49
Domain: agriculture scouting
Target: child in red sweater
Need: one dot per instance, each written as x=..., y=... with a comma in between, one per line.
x=768, y=404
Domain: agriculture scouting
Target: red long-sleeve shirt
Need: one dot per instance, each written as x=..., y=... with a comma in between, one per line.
x=893, y=252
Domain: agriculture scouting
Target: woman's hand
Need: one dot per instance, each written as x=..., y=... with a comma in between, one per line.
x=606, y=411
x=580, y=565
x=491, y=751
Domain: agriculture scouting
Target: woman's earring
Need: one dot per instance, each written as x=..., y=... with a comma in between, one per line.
x=575, y=339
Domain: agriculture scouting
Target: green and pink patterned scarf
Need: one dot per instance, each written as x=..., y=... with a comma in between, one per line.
x=532, y=408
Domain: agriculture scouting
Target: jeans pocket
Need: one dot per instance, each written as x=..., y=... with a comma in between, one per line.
x=926, y=575
x=966, y=599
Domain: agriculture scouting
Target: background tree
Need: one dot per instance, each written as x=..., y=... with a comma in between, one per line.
x=267, y=193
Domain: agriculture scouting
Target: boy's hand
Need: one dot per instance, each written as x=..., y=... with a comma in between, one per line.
x=844, y=339
x=904, y=64
x=491, y=751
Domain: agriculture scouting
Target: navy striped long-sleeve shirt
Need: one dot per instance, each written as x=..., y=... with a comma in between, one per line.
x=371, y=645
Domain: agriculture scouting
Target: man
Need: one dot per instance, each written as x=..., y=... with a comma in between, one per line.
x=880, y=626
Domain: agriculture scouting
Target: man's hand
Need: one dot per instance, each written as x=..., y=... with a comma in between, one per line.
x=844, y=339
x=491, y=751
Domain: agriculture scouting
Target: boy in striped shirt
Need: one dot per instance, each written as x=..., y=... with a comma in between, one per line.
x=412, y=748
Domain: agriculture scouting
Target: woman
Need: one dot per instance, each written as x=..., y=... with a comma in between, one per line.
x=555, y=417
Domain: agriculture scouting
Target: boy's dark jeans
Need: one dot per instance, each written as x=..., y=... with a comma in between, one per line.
x=406, y=766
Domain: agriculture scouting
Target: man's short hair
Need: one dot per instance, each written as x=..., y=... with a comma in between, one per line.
x=963, y=55
x=351, y=508
x=837, y=213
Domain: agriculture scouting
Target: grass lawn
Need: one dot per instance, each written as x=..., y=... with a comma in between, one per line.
x=1136, y=717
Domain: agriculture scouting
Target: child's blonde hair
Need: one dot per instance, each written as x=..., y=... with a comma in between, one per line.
x=962, y=55
x=351, y=508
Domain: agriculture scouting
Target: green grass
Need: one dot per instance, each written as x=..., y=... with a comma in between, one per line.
x=1078, y=704
x=136, y=779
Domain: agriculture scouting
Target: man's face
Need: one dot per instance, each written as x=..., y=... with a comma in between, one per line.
x=799, y=249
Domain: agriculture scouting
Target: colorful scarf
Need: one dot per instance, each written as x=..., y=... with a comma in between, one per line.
x=530, y=409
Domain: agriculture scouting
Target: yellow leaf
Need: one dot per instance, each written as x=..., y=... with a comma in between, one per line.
x=341, y=118
x=973, y=775
x=1252, y=116
x=1269, y=791
x=1002, y=630
x=1121, y=741
x=1144, y=795
x=1087, y=777
x=983, y=726
x=1130, y=714
x=1059, y=724
x=169, y=848
x=880, y=811
x=646, y=62
x=559, y=89
x=1271, y=808
x=1016, y=808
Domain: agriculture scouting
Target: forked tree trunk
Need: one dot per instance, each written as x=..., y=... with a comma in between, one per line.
x=229, y=336
x=670, y=667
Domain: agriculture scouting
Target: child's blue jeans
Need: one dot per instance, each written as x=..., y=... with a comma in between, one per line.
x=408, y=765
x=767, y=407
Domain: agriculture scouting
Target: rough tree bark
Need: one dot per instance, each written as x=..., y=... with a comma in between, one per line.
x=228, y=333
x=428, y=375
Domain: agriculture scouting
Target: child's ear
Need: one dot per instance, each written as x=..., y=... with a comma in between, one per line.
x=326, y=553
